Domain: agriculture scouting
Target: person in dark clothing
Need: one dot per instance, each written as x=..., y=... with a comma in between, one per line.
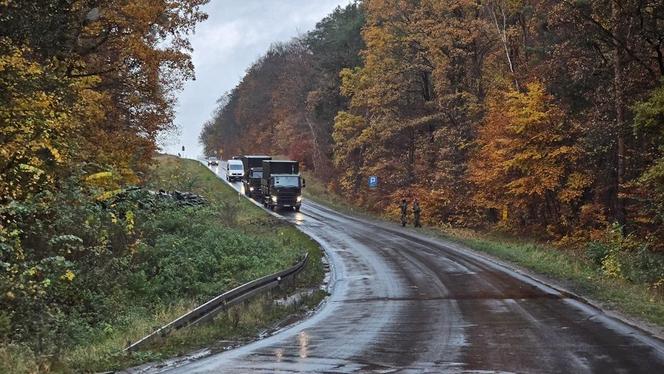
x=404, y=212
x=416, y=213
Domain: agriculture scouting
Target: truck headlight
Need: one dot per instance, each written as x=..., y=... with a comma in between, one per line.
x=251, y=188
x=298, y=199
x=274, y=199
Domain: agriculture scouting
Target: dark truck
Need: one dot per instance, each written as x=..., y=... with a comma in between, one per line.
x=282, y=184
x=253, y=171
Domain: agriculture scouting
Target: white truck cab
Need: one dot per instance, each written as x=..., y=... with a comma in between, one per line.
x=234, y=170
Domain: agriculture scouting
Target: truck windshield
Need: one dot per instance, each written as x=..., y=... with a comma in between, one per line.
x=256, y=174
x=235, y=167
x=289, y=181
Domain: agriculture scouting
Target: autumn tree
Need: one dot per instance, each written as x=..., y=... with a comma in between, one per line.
x=137, y=52
x=41, y=114
x=526, y=165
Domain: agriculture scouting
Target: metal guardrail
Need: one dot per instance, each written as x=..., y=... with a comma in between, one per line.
x=211, y=308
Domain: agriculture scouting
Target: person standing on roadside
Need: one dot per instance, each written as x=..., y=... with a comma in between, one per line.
x=404, y=212
x=416, y=213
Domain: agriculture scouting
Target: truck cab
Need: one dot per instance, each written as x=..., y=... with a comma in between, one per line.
x=281, y=185
x=234, y=170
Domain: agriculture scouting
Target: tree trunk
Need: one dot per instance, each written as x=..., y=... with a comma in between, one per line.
x=411, y=156
x=502, y=34
x=317, y=157
x=619, y=203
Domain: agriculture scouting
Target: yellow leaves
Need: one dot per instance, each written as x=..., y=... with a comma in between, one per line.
x=101, y=176
x=68, y=276
x=504, y=214
x=106, y=184
x=36, y=123
x=611, y=265
x=129, y=221
x=346, y=126
x=35, y=171
x=529, y=110
x=13, y=60
x=57, y=156
x=346, y=133
x=577, y=183
x=350, y=81
x=91, y=104
x=32, y=271
x=527, y=153
x=108, y=195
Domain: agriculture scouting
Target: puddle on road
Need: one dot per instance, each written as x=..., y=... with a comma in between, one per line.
x=303, y=340
x=279, y=354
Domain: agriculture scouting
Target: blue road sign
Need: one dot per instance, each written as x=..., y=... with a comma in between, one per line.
x=373, y=181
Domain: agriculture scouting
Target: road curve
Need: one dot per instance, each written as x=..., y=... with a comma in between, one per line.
x=403, y=302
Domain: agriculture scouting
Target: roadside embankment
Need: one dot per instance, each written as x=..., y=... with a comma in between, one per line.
x=158, y=259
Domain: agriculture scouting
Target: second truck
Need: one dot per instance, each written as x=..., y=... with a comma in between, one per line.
x=253, y=172
x=281, y=184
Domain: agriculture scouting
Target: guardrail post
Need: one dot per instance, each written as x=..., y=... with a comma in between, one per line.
x=235, y=317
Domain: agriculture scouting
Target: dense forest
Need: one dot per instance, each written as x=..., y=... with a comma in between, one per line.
x=542, y=118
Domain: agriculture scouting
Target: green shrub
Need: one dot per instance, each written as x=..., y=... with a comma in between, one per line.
x=626, y=258
x=597, y=252
x=17, y=359
x=643, y=266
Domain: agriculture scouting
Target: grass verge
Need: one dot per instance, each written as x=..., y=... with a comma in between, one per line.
x=570, y=270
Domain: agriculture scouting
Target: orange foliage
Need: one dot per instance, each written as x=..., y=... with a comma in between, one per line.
x=527, y=161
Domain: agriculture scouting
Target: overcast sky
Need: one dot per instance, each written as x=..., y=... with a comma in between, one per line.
x=235, y=34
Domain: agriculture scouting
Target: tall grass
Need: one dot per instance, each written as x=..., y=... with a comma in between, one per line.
x=573, y=271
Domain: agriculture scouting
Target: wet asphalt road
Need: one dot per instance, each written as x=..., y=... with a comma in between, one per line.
x=403, y=302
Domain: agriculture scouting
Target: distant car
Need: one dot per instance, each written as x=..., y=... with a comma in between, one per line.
x=212, y=161
x=234, y=170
